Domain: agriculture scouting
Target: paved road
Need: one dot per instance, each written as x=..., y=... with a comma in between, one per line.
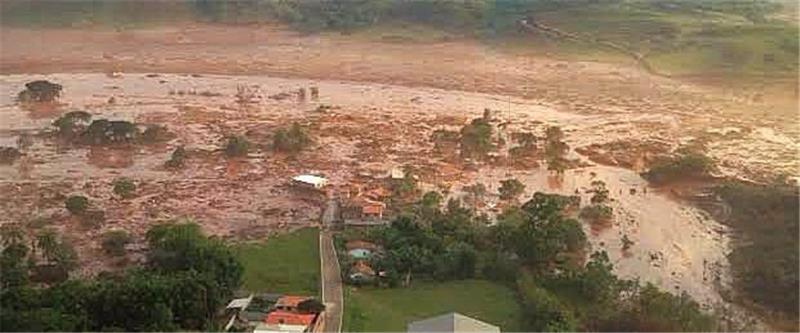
x=331, y=277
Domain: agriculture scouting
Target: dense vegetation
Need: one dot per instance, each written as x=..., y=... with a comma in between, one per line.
x=685, y=165
x=78, y=127
x=536, y=250
x=291, y=140
x=188, y=277
x=765, y=261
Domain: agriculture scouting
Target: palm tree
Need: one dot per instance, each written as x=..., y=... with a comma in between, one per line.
x=11, y=234
x=47, y=241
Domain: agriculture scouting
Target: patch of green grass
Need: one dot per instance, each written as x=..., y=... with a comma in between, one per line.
x=284, y=264
x=381, y=310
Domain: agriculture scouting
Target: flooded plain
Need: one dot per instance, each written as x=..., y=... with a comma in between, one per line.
x=358, y=129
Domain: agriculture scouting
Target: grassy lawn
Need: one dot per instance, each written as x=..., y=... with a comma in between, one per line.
x=381, y=310
x=286, y=263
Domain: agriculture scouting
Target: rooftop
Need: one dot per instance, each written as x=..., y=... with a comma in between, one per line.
x=451, y=322
x=311, y=179
x=289, y=318
x=290, y=301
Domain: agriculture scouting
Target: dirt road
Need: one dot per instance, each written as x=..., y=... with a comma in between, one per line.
x=331, y=277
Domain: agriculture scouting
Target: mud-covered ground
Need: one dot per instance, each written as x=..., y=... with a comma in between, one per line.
x=381, y=102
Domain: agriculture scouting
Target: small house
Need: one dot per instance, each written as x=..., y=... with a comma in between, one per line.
x=451, y=322
x=310, y=181
x=361, y=272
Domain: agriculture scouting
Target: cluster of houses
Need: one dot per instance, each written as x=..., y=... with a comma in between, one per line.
x=273, y=313
x=360, y=252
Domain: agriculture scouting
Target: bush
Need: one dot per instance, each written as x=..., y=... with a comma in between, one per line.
x=476, y=138
x=72, y=123
x=597, y=213
x=40, y=91
x=688, y=165
x=237, y=146
x=292, y=140
x=77, y=204
x=114, y=242
x=102, y=131
x=511, y=189
x=177, y=159
x=124, y=188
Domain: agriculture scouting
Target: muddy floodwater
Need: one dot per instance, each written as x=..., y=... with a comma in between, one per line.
x=358, y=129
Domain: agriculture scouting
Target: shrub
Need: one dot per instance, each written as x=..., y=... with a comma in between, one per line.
x=511, y=189
x=102, y=131
x=292, y=140
x=476, y=138
x=77, y=204
x=114, y=242
x=40, y=91
x=597, y=213
x=72, y=123
x=177, y=159
x=688, y=165
x=124, y=188
x=237, y=146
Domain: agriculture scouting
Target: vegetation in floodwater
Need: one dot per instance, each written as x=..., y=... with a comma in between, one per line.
x=685, y=165
x=765, y=261
x=114, y=242
x=177, y=159
x=40, y=91
x=77, y=204
x=124, y=187
x=291, y=140
x=9, y=154
x=237, y=146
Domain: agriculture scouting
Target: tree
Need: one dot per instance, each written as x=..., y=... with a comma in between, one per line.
x=76, y=204
x=237, y=146
x=546, y=235
x=124, y=187
x=555, y=150
x=476, y=193
x=510, y=189
x=114, y=242
x=292, y=140
x=47, y=242
x=600, y=191
x=544, y=312
x=40, y=91
x=476, y=138
x=457, y=262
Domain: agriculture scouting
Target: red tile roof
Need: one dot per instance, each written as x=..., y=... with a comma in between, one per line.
x=290, y=301
x=289, y=318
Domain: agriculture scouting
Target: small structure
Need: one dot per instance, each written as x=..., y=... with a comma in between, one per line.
x=361, y=272
x=397, y=173
x=311, y=181
x=451, y=322
x=358, y=249
x=280, y=321
x=290, y=303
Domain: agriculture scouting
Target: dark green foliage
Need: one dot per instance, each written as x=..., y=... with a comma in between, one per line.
x=102, y=131
x=237, y=146
x=40, y=91
x=177, y=159
x=76, y=204
x=476, y=138
x=597, y=213
x=114, y=242
x=458, y=261
x=311, y=305
x=510, y=189
x=72, y=123
x=292, y=140
x=555, y=150
x=546, y=236
x=526, y=145
x=14, y=265
x=686, y=165
x=124, y=188
x=544, y=311
x=600, y=192
x=765, y=264
x=189, y=279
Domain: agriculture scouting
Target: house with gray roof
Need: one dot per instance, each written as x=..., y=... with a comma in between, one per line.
x=451, y=322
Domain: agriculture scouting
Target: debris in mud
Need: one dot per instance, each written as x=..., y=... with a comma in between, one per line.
x=8, y=155
x=631, y=154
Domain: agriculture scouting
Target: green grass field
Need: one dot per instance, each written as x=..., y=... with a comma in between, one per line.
x=380, y=310
x=285, y=264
